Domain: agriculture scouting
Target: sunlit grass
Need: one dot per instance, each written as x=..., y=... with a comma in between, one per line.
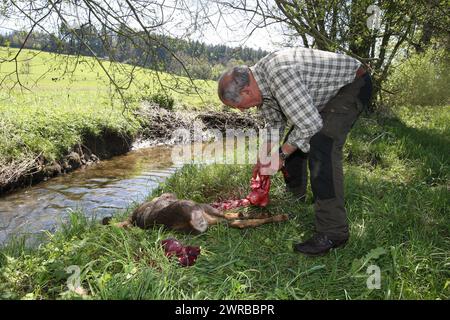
x=397, y=199
x=52, y=76
x=60, y=98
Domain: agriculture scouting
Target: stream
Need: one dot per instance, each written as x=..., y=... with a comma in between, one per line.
x=98, y=190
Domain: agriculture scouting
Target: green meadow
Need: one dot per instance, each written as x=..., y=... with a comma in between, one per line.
x=53, y=100
x=397, y=196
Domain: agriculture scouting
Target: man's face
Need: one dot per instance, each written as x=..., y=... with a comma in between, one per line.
x=250, y=97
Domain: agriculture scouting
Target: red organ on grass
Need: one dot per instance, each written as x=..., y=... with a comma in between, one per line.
x=186, y=255
x=259, y=195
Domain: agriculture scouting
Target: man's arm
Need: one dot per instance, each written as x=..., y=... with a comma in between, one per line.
x=275, y=120
x=275, y=126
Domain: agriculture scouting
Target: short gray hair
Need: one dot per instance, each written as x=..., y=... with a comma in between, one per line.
x=230, y=90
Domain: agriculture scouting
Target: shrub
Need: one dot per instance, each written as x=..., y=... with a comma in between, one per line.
x=164, y=100
x=200, y=69
x=422, y=79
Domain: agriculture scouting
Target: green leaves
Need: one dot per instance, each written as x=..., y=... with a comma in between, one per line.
x=374, y=254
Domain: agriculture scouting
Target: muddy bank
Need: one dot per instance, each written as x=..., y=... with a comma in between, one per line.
x=89, y=151
x=157, y=127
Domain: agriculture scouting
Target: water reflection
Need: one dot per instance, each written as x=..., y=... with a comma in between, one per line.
x=99, y=190
x=102, y=189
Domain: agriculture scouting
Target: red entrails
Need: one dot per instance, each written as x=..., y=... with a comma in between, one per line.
x=259, y=196
x=186, y=255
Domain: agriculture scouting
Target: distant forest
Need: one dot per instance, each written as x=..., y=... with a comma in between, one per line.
x=173, y=55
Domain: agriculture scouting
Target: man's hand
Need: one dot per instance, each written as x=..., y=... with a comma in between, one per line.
x=268, y=162
x=288, y=148
x=273, y=166
x=272, y=163
x=256, y=168
x=268, y=169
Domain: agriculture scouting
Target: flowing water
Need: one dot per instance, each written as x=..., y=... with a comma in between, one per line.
x=100, y=190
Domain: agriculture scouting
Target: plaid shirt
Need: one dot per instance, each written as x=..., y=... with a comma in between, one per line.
x=296, y=84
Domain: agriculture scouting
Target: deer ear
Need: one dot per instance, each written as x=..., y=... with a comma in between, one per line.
x=198, y=222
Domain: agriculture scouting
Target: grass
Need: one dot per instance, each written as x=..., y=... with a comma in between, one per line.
x=397, y=197
x=67, y=77
x=68, y=97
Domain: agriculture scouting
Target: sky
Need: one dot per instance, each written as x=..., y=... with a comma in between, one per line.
x=267, y=39
x=226, y=28
x=232, y=28
x=209, y=23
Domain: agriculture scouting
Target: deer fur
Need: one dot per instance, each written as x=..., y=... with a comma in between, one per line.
x=189, y=217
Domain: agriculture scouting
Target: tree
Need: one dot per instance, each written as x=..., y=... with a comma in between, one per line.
x=343, y=26
x=86, y=27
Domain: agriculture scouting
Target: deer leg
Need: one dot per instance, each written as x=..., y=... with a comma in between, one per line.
x=220, y=214
x=232, y=215
x=214, y=219
x=263, y=215
x=124, y=224
x=211, y=219
x=251, y=223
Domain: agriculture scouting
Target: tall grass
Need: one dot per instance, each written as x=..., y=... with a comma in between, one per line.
x=397, y=197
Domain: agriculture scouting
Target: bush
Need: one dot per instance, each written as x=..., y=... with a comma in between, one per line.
x=422, y=79
x=162, y=99
x=200, y=69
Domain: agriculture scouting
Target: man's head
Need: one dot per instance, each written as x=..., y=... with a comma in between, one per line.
x=238, y=88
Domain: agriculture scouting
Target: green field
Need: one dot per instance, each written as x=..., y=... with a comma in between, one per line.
x=64, y=97
x=397, y=196
x=67, y=79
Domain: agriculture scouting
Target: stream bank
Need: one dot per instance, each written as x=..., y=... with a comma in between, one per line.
x=90, y=150
x=155, y=127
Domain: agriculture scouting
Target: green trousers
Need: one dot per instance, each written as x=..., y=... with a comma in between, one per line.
x=325, y=159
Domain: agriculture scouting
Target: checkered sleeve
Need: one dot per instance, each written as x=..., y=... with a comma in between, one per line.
x=297, y=105
x=275, y=121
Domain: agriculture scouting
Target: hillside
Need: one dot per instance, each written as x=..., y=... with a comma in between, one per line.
x=64, y=100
